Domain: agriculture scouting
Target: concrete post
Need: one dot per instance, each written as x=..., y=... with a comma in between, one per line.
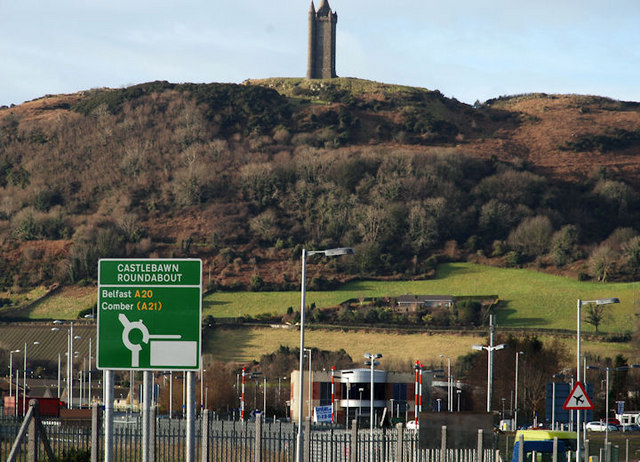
x=443, y=444
x=96, y=417
x=354, y=442
x=521, y=448
x=32, y=433
x=205, y=435
x=258, y=453
x=554, y=457
x=626, y=457
x=400, y=443
x=307, y=441
x=586, y=450
x=481, y=448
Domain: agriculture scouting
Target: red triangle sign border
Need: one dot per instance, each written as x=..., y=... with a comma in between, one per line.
x=580, y=397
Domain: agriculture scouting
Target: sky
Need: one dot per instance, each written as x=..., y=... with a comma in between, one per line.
x=468, y=50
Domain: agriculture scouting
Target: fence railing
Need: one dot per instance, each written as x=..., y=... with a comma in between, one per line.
x=229, y=441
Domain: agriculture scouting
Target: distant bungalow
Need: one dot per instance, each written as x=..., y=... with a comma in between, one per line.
x=408, y=303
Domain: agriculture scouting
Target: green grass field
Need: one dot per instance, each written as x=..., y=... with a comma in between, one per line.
x=528, y=299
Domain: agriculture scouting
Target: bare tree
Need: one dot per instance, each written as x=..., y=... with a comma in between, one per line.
x=595, y=314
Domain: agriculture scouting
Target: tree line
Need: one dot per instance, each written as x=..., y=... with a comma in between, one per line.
x=117, y=173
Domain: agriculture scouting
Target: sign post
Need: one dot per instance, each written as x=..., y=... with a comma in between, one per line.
x=149, y=318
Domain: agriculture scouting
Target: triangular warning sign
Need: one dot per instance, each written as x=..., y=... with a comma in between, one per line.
x=578, y=399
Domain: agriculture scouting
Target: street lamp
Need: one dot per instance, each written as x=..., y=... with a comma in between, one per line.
x=490, y=349
x=606, y=400
x=606, y=406
x=11, y=372
x=347, y=376
x=24, y=379
x=515, y=412
x=601, y=301
x=449, y=384
x=371, y=361
x=328, y=253
x=70, y=355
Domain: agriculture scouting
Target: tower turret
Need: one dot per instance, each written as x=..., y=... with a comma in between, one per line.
x=321, y=63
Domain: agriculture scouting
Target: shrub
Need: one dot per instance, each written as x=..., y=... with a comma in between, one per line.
x=532, y=237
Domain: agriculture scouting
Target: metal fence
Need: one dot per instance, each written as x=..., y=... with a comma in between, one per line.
x=229, y=441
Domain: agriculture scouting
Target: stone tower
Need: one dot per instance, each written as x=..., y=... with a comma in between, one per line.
x=322, y=42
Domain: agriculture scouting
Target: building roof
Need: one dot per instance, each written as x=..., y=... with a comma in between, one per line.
x=424, y=298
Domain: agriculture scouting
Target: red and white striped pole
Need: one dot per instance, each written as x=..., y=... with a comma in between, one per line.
x=420, y=408
x=333, y=392
x=242, y=403
x=416, y=395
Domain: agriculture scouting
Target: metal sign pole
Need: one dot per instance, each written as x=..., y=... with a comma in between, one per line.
x=108, y=415
x=146, y=410
x=190, y=455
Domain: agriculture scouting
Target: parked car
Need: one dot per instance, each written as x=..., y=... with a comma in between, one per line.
x=630, y=428
x=412, y=425
x=600, y=427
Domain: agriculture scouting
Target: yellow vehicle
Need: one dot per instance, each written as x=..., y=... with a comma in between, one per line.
x=540, y=442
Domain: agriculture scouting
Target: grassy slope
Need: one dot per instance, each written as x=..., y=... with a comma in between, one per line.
x=529, y=299
x=247, y=344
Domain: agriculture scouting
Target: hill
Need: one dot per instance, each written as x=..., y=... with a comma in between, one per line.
x=244, y=176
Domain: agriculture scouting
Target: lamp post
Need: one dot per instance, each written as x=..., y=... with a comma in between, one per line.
x=449, y=384
x=11, y=372
x=346, y=375
x=70, y=339
x=264, y=398
x=606, y=401
x=24, y=379
x=305, y=253
x=601, y=301
x=371, y=361
x=515, y=411
x=459, y=392
x=490, y=349
x=606, y=405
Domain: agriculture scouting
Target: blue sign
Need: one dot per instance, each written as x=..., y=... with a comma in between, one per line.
x=322, y=414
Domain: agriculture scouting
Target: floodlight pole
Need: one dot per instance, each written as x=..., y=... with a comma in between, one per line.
x=490, y=349
x=371, y=362
x=515, y=412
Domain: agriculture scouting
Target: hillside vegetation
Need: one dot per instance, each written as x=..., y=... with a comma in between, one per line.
x=244, y=176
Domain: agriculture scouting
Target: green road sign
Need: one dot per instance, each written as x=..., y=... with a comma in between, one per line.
x=149, y=314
